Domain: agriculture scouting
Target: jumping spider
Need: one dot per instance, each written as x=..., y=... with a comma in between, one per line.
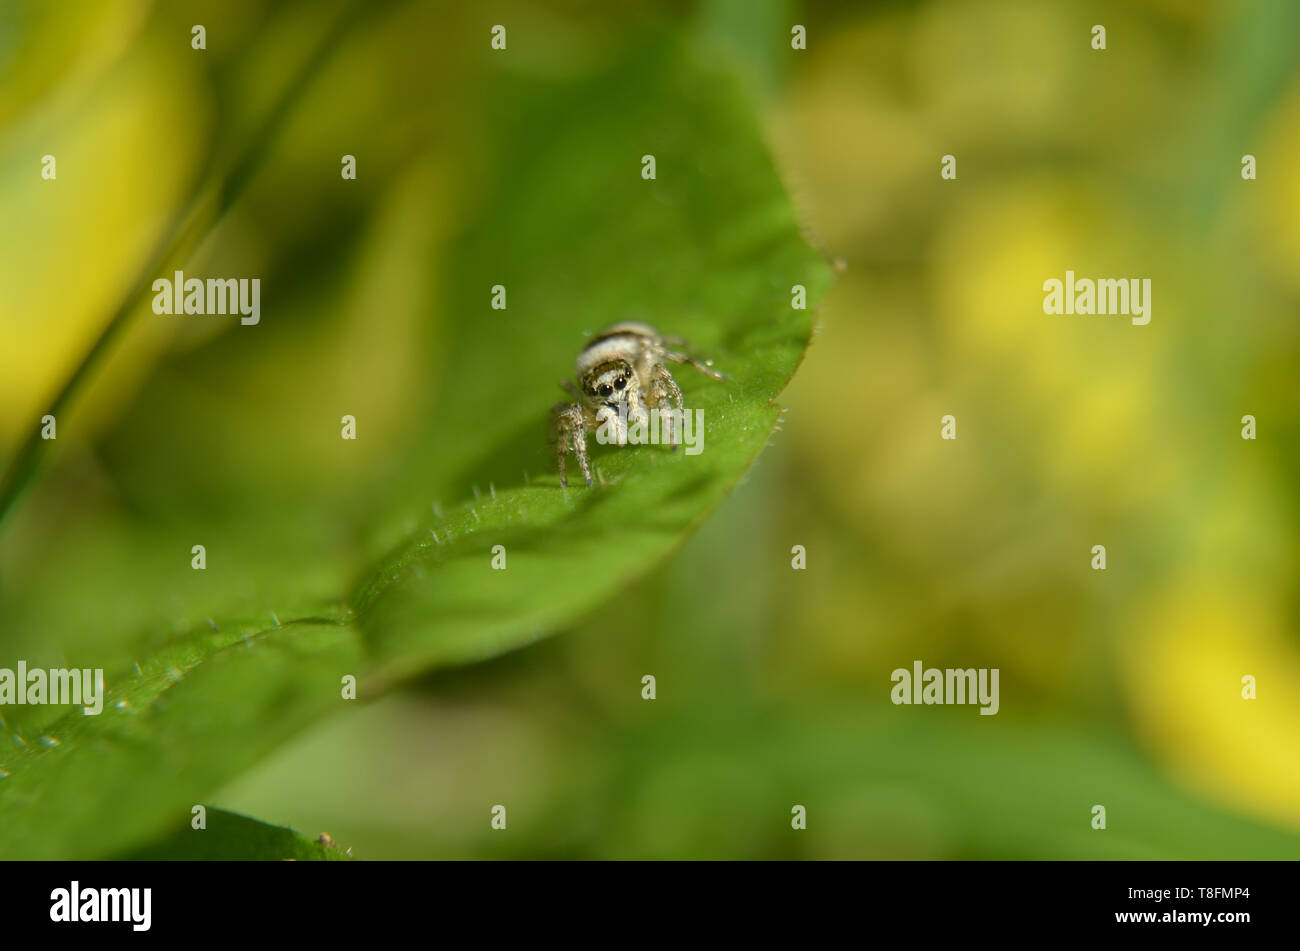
x=622, y=374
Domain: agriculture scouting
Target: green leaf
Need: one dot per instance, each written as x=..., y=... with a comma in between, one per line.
x=709, y=250
x=228, y=836
x=198, y=712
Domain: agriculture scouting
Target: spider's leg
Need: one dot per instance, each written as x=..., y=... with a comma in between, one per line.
x=571, y=433
x=706, y=367
x=663, y=389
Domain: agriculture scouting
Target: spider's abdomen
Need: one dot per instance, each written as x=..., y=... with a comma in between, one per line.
x=626, y=341
x=634, y=327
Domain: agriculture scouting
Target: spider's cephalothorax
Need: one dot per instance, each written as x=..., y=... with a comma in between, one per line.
x=622, y=374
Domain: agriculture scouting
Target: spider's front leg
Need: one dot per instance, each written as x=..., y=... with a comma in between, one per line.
x=571, y=433
x=664, y=389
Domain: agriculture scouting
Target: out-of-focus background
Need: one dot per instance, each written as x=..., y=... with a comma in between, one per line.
x=1119, y=687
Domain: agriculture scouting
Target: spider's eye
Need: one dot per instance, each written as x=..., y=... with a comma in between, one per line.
x=605, y=390
x=619, y=383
